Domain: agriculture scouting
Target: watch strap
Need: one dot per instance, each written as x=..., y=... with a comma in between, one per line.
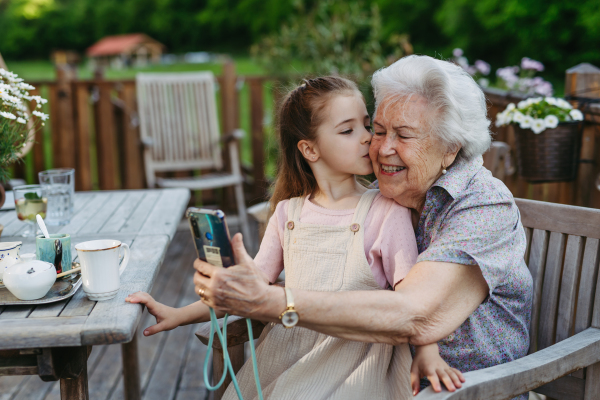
x=289, y=298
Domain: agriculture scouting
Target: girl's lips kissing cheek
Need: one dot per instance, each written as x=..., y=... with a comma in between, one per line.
x=391, y=169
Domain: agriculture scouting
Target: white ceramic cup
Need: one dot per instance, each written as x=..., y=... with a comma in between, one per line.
x=100, y=269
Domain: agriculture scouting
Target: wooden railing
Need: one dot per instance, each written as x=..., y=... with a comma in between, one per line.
x=94, y=129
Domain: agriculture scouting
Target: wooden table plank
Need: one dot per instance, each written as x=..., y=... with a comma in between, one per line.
x=122, y=214
x=80, y=219
x=49, y=310
x=114, y=321
x=57, y=332
x=139, y=215
x=172, y=202
x=102, y=215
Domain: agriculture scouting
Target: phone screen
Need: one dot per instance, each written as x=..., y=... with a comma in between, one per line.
x=211, y=236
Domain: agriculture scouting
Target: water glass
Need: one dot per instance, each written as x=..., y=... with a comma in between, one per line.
x=60, y=188
x=30, y=200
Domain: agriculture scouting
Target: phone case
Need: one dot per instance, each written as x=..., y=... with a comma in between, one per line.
x=211, y=236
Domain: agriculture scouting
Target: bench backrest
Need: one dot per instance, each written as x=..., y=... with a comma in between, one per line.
x=178, y=121
x=562, y=255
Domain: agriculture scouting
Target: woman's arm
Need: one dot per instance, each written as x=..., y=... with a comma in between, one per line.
x=432, y=301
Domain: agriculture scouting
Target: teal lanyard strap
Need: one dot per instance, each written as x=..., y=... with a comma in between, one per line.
x=214, y=326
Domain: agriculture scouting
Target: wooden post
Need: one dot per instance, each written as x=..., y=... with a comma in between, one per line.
x=63, y=132
x=131, y=370
x=133, y=168
x=583, y=80
x=229, y=111
x=83, y=171
x=258, y=152
x=105, y=138
x=236, y=355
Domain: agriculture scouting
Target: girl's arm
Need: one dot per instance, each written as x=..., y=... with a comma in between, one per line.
x=428, y=363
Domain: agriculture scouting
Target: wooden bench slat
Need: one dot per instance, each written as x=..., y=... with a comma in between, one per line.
x=537, y=263
x=552, y=275
x=587, y=285
x=568, y=287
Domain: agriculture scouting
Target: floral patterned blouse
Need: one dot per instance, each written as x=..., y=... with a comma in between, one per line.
x=471, y=218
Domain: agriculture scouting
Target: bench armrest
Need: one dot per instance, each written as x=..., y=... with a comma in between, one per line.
x=236, y=134
x=520, y=376
x=237, y=331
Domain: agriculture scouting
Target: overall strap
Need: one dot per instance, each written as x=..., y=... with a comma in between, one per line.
x=295, y=208
x=363, y=207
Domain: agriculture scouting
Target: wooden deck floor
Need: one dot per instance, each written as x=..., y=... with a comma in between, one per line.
x=170, y=362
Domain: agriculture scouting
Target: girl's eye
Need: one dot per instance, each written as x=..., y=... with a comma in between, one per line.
x=347, y=132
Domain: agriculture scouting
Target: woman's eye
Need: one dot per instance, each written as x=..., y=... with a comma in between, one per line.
x=379, y=133
x=347, y=132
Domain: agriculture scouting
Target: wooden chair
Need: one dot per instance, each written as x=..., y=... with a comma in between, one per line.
x=180, y=131
x=563, y=252
x=497, y=160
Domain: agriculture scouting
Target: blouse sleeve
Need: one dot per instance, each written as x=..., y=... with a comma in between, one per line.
x=488, y=235
x=270, y=255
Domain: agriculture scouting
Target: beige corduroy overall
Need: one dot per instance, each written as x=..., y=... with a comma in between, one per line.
x=299, y=363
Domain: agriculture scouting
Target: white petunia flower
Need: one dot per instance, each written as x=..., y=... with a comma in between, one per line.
x=538, y=125
x=551, y=121
x=510, y=107
x=552, y=101
x=500, y=119
x=518, y=117
x=562, y=103
x=576, y=115
x=526, y=123
x=21, y=120
x=7, y=115
x=522, y=104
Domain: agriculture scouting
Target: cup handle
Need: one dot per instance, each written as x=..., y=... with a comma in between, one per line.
x=125, y=246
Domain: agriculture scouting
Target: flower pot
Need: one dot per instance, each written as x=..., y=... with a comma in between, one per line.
x=550, y=156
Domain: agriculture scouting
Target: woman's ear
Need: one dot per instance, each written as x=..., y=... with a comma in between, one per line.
x=308, y=150
x=450, y=156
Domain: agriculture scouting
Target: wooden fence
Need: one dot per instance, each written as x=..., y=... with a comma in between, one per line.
x=94, y=129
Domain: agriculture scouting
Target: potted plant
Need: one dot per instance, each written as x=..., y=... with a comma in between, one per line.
x=17, y=126
x=548, y=138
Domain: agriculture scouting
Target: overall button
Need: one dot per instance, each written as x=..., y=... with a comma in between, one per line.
x=354, y=227
x=290, y=225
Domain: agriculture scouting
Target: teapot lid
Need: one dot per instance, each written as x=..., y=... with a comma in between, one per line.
x=9, y=245
x=29, y=267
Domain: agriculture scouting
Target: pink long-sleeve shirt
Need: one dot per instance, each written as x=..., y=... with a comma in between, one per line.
x=390, y=245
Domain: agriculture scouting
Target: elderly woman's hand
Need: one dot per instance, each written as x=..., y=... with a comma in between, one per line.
x=241, y=289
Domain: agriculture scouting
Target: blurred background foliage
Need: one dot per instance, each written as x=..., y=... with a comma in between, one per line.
x=560, y=33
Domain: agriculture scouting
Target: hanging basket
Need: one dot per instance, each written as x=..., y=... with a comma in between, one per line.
x=550, y=156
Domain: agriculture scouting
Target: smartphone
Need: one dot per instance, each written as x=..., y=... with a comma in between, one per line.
x=211, y=236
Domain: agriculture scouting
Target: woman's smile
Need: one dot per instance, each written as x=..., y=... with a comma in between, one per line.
x=388, y=169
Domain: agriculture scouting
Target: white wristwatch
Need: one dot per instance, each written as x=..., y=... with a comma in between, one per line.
x=289, y=318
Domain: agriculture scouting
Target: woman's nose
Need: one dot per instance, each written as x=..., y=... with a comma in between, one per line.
x=387, y=148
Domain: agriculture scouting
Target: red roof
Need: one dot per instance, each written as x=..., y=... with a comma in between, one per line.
x=112, y=45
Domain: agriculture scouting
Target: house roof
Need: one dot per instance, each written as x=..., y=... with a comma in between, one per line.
x=112, y=45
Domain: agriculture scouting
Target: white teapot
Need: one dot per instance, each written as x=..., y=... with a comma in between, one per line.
x=9, y=255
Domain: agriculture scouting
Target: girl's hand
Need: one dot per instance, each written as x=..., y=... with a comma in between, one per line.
x=428, y=363
x=167, y=318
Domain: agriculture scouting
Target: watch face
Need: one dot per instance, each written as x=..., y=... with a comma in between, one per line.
x=289, y=319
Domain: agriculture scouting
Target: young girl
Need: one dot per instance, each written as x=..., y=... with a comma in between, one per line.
x=331, y=233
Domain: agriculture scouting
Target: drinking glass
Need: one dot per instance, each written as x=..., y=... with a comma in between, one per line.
x=30, y=200
x=60, y=186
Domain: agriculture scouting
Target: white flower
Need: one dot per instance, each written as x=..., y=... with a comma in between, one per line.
x=40, y=115
x=576, y=115
x=518, y=117
x=551, y=121
x=522, y=104
x=7, y=115
x=536, y=100
x=552, y=101
x=484, y=82
x=510, y=107
x=562, y=103
x=538, y=125
x=21, y=120
x=527, y=121
x=500, y=119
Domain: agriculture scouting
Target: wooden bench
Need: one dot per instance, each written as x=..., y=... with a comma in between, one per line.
x=563, y=251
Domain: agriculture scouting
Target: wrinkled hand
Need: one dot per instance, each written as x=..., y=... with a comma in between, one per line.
x=428, y=363
x=167, y=318
x=241, y=289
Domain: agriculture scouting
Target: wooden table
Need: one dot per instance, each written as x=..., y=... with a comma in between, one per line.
x=54, y=340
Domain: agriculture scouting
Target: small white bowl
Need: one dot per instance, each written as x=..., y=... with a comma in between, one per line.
x=30, y=280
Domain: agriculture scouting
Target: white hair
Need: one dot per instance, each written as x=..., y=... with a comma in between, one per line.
x=454, y=99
